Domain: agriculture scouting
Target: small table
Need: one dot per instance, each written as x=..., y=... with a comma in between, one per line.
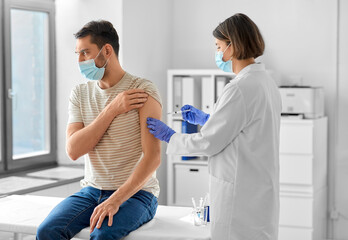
x=22, y=214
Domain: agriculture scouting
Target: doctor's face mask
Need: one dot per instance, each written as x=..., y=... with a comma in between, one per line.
x=224, y=66
x=90, y=71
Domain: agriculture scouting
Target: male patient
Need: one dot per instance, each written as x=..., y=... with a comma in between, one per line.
x=107, y=121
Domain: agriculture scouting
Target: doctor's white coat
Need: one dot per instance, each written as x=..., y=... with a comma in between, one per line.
x=241, y=139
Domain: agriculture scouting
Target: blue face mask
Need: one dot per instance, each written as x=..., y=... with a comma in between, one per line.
x=89, y=70
x=224, y=66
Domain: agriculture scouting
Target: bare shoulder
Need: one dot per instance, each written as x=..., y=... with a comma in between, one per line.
x=150, y=145
x=152, y=108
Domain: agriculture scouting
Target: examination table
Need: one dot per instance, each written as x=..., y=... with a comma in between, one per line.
x=22, y=214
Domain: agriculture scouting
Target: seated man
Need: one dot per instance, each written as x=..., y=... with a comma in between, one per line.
x=107, y=121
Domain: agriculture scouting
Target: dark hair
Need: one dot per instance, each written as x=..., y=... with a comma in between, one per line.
x=243, y=34
x=101, y=32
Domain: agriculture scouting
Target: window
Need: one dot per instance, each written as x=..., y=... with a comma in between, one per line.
x=27, y=67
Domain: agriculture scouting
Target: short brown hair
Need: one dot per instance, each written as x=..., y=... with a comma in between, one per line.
x=243, y=34
x=101, y=32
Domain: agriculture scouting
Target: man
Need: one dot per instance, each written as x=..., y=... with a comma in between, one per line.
x=107, y=121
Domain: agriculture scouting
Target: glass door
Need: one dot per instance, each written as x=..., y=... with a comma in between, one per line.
x=30, y=85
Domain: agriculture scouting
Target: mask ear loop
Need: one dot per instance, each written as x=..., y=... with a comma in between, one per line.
x=98, y=55
x=226, y=49
x=99, y=52
x=231, y=56
x=107, y=60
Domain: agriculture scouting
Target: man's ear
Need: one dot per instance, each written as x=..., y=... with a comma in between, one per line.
x=108, y=50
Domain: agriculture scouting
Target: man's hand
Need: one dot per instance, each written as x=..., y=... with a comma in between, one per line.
x=82, y=139
x=106, y=209
x=129, y=100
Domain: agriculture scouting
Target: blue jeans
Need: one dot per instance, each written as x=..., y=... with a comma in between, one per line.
x=71, y=215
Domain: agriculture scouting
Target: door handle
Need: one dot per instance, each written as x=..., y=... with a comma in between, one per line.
x=12, y=96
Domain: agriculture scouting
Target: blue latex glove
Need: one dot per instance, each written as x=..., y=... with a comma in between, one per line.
x=194, y=116
x=159, y=129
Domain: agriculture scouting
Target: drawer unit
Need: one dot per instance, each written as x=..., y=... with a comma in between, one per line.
x=303, y=179
x=296, y=211
x=296, y=169
x=190, y=181
x=292, y=233
x=296, y=138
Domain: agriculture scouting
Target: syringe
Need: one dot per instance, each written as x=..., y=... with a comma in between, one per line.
x=178, y=112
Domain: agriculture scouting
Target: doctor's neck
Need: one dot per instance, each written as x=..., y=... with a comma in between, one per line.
x=238, y=65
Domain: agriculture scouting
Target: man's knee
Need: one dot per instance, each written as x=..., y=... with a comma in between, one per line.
x=47, y=230
x=108, y=233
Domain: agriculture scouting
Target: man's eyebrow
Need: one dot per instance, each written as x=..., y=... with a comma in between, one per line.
x=83, y=50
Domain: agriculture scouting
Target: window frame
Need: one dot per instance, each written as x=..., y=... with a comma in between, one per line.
x=2, y=103
x=9, y=164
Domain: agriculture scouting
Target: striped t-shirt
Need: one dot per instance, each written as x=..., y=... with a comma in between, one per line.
x=118, y=152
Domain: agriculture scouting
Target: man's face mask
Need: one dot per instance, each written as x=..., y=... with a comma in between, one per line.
x=224, y=66
x=89, y=70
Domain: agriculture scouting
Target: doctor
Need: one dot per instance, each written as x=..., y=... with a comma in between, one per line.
x=241, y=138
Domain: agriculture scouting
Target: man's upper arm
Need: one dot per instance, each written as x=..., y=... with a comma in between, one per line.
x=150, y=144
x=75, y=117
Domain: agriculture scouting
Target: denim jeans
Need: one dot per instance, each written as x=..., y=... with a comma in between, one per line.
x=71, y=215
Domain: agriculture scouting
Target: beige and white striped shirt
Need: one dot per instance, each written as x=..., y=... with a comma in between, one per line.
x=118, y=152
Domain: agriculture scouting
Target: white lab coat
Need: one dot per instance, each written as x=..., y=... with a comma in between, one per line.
x=241, y=139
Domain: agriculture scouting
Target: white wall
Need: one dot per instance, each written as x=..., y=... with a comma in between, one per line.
x=147, y=48
x=341, y=167
x=70, y=18
x=299, y=40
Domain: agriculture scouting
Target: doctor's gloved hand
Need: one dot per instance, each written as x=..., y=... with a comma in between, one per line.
x=194, y=116
x=159, y=129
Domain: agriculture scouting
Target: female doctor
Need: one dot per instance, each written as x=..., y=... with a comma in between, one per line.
x=241, y=138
